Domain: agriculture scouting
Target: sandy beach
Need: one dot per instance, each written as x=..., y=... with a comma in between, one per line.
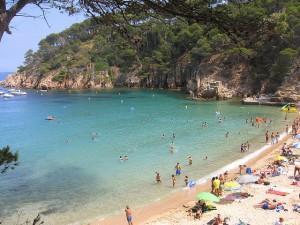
x=173, y=209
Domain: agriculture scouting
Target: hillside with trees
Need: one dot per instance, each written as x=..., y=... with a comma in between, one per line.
x=172, y=52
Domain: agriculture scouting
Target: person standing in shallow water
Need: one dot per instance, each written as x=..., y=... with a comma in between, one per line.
x=157, y=178
x=190, y=160
x=227, y=134
x=267, y=136
x=173, y=180
x=128, y=215
x=178, y=169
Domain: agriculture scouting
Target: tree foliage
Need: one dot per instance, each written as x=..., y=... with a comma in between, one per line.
x=8, y=160
x=160, y=42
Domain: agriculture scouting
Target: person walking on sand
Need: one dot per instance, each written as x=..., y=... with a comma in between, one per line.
x=287, y=129
x=267, y=136
x=272, y=138
x=173, y=180
x=277, y=136
x=186, y=180
x=128, y=215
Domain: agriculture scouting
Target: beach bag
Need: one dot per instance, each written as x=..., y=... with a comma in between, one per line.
x=248, y=171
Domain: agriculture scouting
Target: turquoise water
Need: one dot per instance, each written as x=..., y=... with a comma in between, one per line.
x=69, y=176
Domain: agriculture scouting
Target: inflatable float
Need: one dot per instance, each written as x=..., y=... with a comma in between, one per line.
x=290, y=107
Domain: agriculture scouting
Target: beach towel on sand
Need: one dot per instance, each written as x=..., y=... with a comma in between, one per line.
x=275, y=192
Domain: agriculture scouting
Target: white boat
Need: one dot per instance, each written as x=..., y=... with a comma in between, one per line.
x=8, y=95
x=12, y=89
x=18, y=92
x=2, y=93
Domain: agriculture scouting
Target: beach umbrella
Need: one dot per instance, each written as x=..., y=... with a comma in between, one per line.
x=192, y=183
x=296, y=145
x=231, y=185
x=247, y=178
x=280, y=158
x=207, y=196
x=297, y=136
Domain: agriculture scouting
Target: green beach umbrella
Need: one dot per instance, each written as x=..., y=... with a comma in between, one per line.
x=206, y=196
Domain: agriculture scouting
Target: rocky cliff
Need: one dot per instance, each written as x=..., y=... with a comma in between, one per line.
x=233, y=79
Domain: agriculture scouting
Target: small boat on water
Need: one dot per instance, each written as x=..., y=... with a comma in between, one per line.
x=289, y=108
x=12, y=89
x=50, y=117
x=8, y=95
x=2, y=92
x=18, y=92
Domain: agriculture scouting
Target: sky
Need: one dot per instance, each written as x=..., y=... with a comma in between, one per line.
x=27, y=33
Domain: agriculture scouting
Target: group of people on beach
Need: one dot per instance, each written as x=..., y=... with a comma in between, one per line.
x=245, y=147
x=217, y=183
x=274, y=137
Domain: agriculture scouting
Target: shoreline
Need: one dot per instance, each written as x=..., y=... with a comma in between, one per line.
x=183, y=196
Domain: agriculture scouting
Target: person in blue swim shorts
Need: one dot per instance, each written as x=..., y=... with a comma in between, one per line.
x=128, y=215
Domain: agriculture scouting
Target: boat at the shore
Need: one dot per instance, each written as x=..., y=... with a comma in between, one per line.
x=8, y=95
x=18, y=92
x=262, y=100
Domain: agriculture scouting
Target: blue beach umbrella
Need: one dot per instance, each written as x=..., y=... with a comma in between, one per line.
x=296, y=145
x=297, y=136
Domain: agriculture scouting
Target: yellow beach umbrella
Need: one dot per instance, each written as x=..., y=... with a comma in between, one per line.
x=280, y=158
x=231, y=185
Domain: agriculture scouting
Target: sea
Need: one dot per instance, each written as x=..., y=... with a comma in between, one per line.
x=70, y=169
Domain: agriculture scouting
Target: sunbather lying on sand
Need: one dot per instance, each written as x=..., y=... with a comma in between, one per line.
x=267, y=204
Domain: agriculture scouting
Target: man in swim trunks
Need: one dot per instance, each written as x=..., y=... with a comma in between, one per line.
x=158, y=180
x=178, y=169
x=128, y=215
